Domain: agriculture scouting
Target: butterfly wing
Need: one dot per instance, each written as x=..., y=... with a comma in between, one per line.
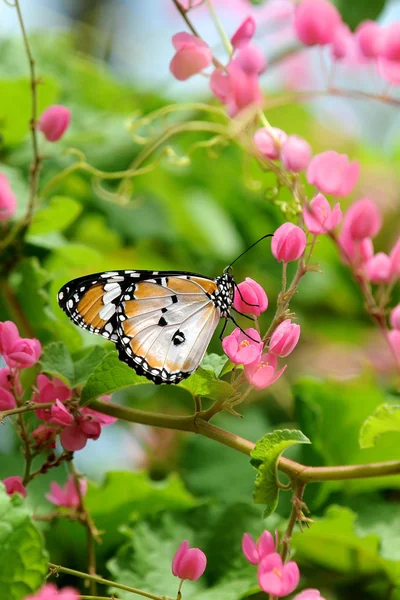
x=166, y=324
x=161, y=322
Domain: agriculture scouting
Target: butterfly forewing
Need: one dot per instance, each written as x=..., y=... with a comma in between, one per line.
x=161, y=322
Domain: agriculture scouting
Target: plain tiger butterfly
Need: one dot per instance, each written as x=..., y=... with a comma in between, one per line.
x=160, y=321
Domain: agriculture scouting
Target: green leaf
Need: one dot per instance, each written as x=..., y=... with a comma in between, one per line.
x=214, y=362
x=85, y=365
x=386, y=418
x=57, y=361
x=57, y=216
x=108, y=377
x=205, y=383
x=360, y=10
x=24, y=564
x=265, y=458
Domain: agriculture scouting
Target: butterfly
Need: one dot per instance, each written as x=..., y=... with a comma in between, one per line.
x=160, y=321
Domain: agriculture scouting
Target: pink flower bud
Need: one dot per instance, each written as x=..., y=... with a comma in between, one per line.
x=256, y=551
x=60, y=415
x=50, y=592
x=72, y=438
x=240, y=348
x=315, y=22
x=18, y=352
x=309, y=594
x=67, y=496
x=379, y=267
x=390, y=42
x=362, y=220
x=54, y=122
x=236, y=88
x=90, y=427
x=342, y=43
x=188, y=563
x=288, y=243
x=319, y=217
x=276, y=578
x=262, y=373
x=5, y=378
x=395, y=317
x=269, y=141
x=394, y=341
x=250, y=298
x=7, y=400
x=244, y=33
x=8, y=202
x=389, y=70
x=192, y=56
x=14, y=485
x=355, y=252
x=296, y=154
x=251, y=60
x=368, y=36
x=285, y=338
x=44, y=437
x=333, y=173
x=395, y=259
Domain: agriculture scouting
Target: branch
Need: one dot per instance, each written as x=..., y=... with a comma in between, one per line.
x=29, y=406
x=296, y=471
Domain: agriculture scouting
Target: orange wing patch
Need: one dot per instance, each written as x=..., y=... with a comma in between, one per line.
x=145, y=290
x=207, y=284
x=190, y=286
x=90, y=306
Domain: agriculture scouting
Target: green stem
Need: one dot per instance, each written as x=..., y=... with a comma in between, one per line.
x=57, y=568
x=222, y=34
x=26, y=408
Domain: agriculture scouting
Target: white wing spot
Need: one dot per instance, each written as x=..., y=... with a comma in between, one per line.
x=70, y=303
x=112, y=294
x=60, y=296
x=107, y=312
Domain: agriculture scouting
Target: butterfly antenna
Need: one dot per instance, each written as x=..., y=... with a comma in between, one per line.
x=249, y=248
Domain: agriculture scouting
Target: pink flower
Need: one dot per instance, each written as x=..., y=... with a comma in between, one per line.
x=262, y=373
x=240, y=348
x=379, y=267
x=99, y=417
x=250, y=298
x=251, y=60
x=67, y=496
x=390, y=42
x=7, y=400
x=54, y=122
x=394, y=341
x=192, y=56
x=256, y=551
x=188, y=563
x=269, y=141
x=319, y=217
x=50, y=592
x=236, y=88
x=73, y=438
x=284, y=339
x=276, y=578
x=50, y=390
x=395, y=317
x=18, y=352
x=368, y=36
x=44, y=436
x=309, y=594
x=333, y=173
x=90, y=427
x=356, y=252
x=342, y=43
x=14, y=485
x=8, y=202
x=389, y=70
x=288, y=243
x=362, y=220
x=244, y=33
x=315, y=22
x=296, y=154
x=60, y=415
x=395, y=259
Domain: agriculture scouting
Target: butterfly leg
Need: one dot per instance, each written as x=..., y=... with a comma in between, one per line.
x=223, y=329
x=246, y=334
x=242, y=314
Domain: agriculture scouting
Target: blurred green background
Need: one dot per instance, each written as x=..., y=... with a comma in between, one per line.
x=108, y=62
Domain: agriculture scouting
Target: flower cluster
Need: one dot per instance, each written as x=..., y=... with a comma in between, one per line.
x=293, y=151
x=67, y=496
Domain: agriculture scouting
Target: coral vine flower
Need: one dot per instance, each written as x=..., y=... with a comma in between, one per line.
x=262, y=373
x=309, y=594
x=8, y=202
x=285, y=338
x=395, y=317
x=67, y=496
x=357, y=252
x=192, y=56
x=18, y=352
x=7, y=400
x=362, y=220
x=276, y=578
x=333, y=173
x=54, y=122
x=44, y=436
x=250, y=298
x=240, y=348
x=296, y=154
x=60, y=415
x=188, y=563
x=319, y=217
x=378, y=269
x=50, y=592
x=269, y=141
x=395, y=259
x=244, y=33
x=14, y=485
x=256, y=551
x=288, y=243
x=394, y=341
x=315, y=22
x=368, y=37
x=50, y=390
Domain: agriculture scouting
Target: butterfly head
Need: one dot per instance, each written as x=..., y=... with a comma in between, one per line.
x=223, y=296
